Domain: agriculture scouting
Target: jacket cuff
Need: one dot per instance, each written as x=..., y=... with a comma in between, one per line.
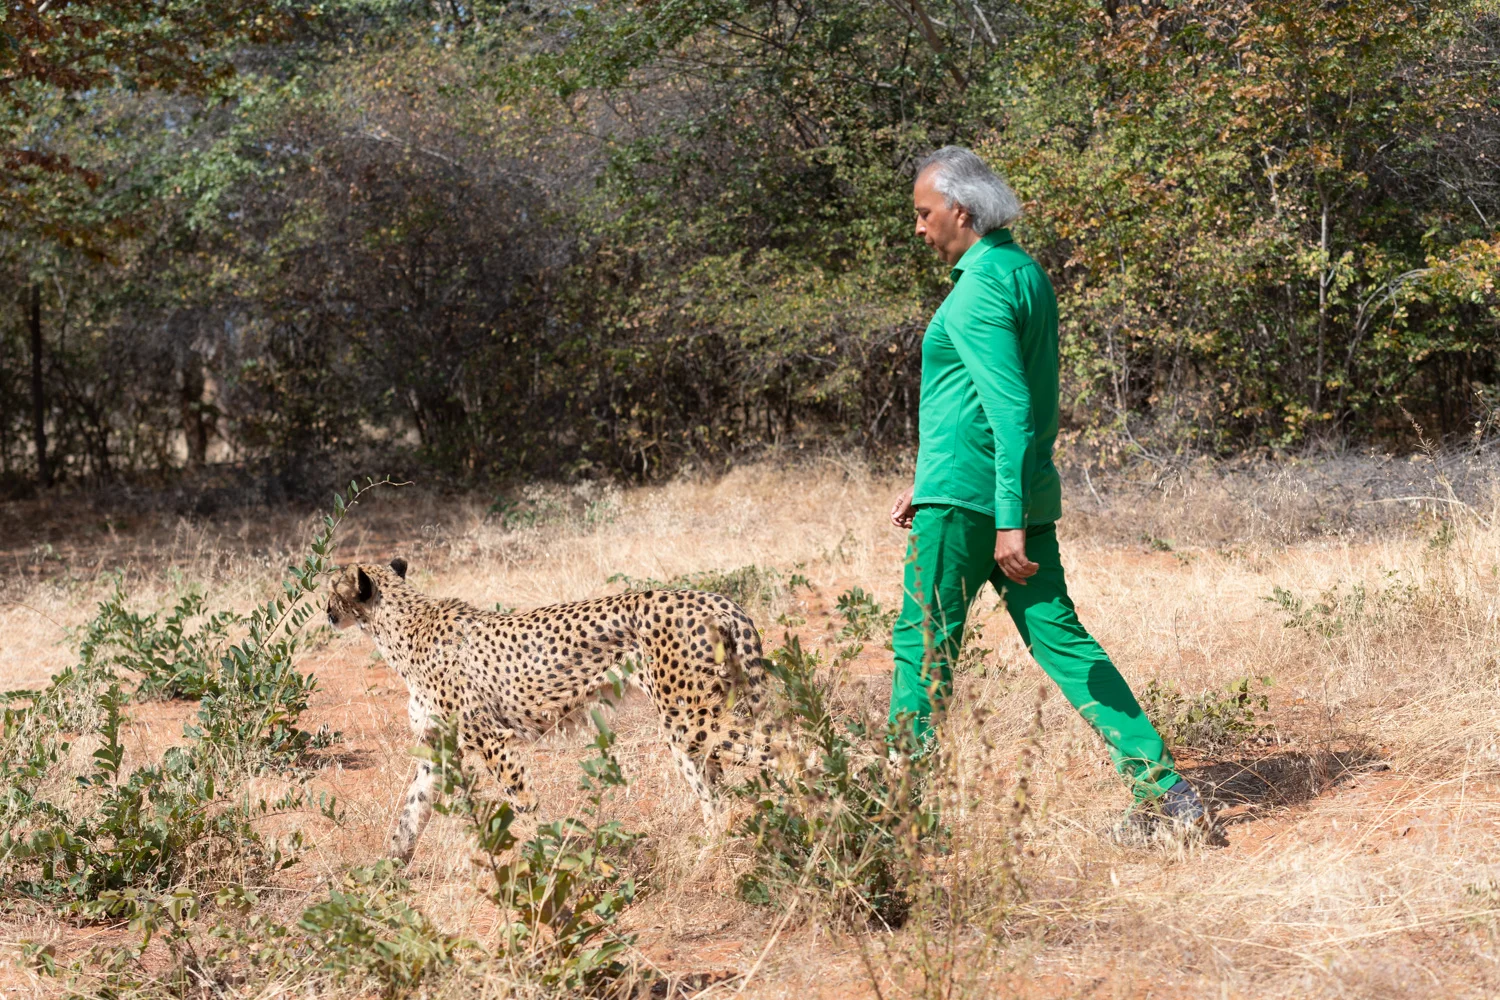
x=1009, y=514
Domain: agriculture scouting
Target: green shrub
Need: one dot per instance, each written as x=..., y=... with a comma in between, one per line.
x=851, y=828
x=1338, y=610
x=157, y=827
x=864, y=618
x=177, y=822
x=561, y=893
x=366, y=929
x=1211, y=720
x=171, y=661
x=973, y=657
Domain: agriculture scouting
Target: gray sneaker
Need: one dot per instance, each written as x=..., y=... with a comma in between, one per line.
x=1182, y=805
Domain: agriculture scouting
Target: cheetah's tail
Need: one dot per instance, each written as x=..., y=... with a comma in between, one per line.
x=762, y=741
x=740, y=660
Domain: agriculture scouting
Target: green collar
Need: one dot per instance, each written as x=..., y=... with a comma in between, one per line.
x=993, y=238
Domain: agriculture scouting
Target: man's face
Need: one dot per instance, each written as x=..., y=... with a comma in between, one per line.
x=944, y=229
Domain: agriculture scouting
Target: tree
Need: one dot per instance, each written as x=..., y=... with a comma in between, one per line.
x=57, y=57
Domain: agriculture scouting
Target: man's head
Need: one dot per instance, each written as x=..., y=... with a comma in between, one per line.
x=958, y=199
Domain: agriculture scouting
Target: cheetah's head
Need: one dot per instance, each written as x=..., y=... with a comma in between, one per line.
x=356, y=593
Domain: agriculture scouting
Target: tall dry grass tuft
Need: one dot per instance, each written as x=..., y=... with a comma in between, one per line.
x=1363, y=825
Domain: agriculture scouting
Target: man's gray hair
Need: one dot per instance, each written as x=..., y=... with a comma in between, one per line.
x=964, y=179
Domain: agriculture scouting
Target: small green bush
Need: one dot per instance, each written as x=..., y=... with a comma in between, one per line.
x=560, y=895
x=364, y=931
x=973, y=657
x=171, y=661
x=864, y=618
x=177, y=822
x=1338, y=610
x=154, y=828
x=562, y=892
x=367, y=930
x=1211, y=720
x=849, y=829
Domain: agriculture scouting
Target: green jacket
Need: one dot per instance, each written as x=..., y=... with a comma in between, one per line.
x=988, y=416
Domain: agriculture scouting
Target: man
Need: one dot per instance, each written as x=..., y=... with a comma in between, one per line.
x=986, y=494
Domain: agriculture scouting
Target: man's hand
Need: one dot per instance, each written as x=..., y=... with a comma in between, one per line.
x=902, y=511
x=1010, y=555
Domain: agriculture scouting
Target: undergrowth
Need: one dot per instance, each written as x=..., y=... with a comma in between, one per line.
x=852, y=827
x=1340, y=610
x=864, y=618
x=170, y=660
x=185, y=821
x=560, y=894
x=1210, y=720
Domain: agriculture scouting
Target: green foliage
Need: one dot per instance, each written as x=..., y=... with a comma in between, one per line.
x=1265, y=195
x=747, y=586
x=364, y=931
x=154, y=828
x=864, y=618
x=850, y=829
x=973, y=657
x=367, y=930
x=172, y=661
x=1338, y=611
x=179, y=822
x=1266, y=222
x=560, y=893
x=1210, y=720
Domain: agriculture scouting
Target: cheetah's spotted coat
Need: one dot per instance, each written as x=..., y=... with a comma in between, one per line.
x=517, y=676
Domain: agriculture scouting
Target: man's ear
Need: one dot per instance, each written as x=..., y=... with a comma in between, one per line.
x=399, y=565
x=366, y=585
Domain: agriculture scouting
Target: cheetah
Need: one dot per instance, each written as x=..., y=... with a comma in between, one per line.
x=509, y=677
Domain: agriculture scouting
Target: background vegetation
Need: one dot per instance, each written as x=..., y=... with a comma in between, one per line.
x=496, y=237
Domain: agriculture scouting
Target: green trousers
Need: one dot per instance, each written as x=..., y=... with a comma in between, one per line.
x=950, y=555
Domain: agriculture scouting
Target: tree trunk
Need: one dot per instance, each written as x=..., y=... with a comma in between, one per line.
x=190, y=404
x=38, y=399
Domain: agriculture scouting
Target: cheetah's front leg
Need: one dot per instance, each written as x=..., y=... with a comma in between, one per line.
x=416, y=807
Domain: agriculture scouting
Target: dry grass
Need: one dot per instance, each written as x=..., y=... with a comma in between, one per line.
x=1363, y=843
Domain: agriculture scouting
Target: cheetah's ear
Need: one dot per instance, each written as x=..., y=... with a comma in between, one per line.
x=366, y=585
x=399, y=565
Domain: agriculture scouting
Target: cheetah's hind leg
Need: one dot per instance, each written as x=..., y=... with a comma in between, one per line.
x=700, y=775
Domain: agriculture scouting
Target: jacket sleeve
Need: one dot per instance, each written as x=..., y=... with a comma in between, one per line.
x=983, y=320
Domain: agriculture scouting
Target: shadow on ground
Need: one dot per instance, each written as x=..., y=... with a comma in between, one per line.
x=1253, y=785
